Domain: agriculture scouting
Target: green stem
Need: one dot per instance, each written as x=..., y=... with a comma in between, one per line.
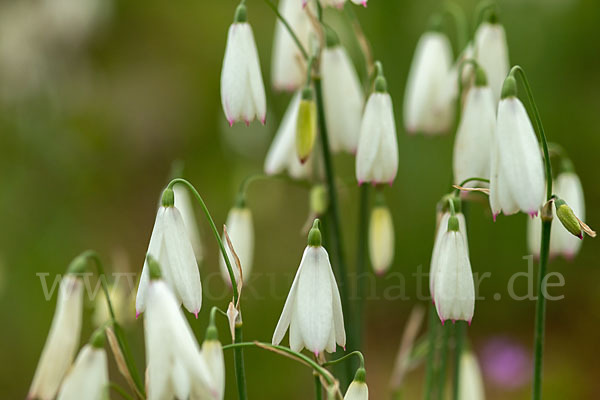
x=460, y=21
x=333, y=218
x=432, y=333
x=540, y=309
x=318, y=388
x=443, y=361
x=289, y=28
x=361, y=261
x=120, y=390
x=480, y=11
x=119, y=333
x=459, y=330
x=347, y=356
x=238, y=354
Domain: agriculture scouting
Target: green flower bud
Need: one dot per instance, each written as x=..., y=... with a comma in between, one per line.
x=168, y=198
x=314, y=235
x=153, y=268
x=509, y=88
x=241, y=14
x=98, y=338
x=306, y=126
x=480, y=77
x=361, y=375
x=453, y=224
x=567, y=218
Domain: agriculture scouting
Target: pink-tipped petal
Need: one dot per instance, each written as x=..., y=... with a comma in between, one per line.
x=453, y=321
x=469, y=321
x=494, y=216
x=137, y=314
x=196, y=314
x=263, y=119
x=364, y=3
x=230, y=121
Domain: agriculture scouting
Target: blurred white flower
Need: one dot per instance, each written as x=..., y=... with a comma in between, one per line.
x=122, y=301
x=313, y=309
x=472, y=145
x=342, y=97
x=470, y=386
x=240, y=229
x=88, y=378
x=62, y=341
x=428, y=102
x=242, y=89
x=329, y=3
x=441, y=229
x=212, y=352
x=184, y=204
x=454, y=288
x=517, y=170
x=170, y=245
x=377, y=153
x=358, y=389
x=282, y=153
x=288, y=67
x=491, y=53
x=176, y=368
x=381, y=239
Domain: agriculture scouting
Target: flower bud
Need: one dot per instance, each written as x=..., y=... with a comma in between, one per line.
x=358, y=389
x=306, y=125
x=567, y=218
x=319, y=200
x=381, y=239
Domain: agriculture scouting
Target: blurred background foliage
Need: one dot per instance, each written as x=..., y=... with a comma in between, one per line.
x=95, y=106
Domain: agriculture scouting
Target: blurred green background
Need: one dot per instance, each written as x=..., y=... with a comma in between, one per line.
x=91, y=120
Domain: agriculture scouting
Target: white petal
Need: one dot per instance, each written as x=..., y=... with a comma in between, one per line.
x=343, y=99
x=241, y=233
x=181, y=261
x=212, y=352
x=314, y=305
x=433, y=266
x=473, y=143
x=184, y=204
x=154, y=251
x=491, y=52
x=381, y=239
x=471, y=381
x=357, y=391
x=424, y=110
x=338, y=313
x=62, y=341
x=88, y=378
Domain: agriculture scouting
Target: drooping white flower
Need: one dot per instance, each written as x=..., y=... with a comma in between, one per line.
x=88, y=378
x=62, y=341
x=381, y=239
x=377, y=153
x=568, y=187
x=170, y=244
x=472, y=146
x=184, y=204
x=282, y=153
x=342, y=96
x=313, y=310
x=175, y=366
x=517, y=171
x=358, y=389
x=240, y=229
x=491, y=53
x=212, y=352
x=242, y=89
x=442, y=228
x=452, y=84
x=454, y=288
x=123, y=304
x=288, y=67
x=470, y=386
x=428, y=100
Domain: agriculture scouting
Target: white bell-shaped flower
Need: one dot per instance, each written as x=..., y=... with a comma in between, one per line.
x=240, y=229
x=428, y=100
x=442, y=228
x=288, y=67
x=184, y=204
x=517, y=179
x=62, y=341
x=381, y=239
x=313, y=310
x=342, y=96
x=454, y=288
x=470, y=386
x=282, y=153
x=242, y=89
x=358, y=389
x=88, y=378
x=568, y=187
x=170, y=244
x=212, y=352
x=491, y=53
x=377, y=153
x=472, y=146
x=175, y=366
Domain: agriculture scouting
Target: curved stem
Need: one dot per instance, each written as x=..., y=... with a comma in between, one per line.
x=289, y=28
x=191, y=187
x=347, y=356
x=461, y=67
x=463, y=183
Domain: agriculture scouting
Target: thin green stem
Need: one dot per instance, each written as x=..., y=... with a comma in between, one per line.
x=441, y=381
x=120, y=391
x=238, y=354
x=463, y=183
x=347, y=356
x=460, y=22
x=431, y=338
x=459, y=337
x=318, y=388
x=289, y=28
x=214, y=230
x=333, y=219
x=361, y=261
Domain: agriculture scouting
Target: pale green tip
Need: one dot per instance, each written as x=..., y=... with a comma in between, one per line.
x=331, y=38
x=168, y=198
x=98, y=339
x=78, y=265
x=212, y=333
x=361, y=375
x=153, y=268
x=453, y=224
x=307, y=93
x=241, y=14
x=509, y=88
x=480, y=78
x=314, y=236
